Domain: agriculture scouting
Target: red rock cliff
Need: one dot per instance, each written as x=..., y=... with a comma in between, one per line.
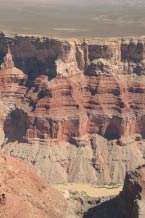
x=58, y=90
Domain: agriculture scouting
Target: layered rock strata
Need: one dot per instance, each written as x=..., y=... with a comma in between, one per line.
x=89, y=160
x=59, y=92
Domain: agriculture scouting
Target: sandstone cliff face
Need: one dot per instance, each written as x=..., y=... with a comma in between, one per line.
x=57, y=93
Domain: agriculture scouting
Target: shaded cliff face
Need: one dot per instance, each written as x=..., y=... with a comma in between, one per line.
x=129, y=203
x=72, y=92
x=132, y=198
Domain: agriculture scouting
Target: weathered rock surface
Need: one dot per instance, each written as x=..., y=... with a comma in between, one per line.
x=24, y=194
x=132, y=198
x=91, y=159
x=74, y=106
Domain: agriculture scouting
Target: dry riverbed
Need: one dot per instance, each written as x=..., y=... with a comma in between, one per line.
x=90, y=190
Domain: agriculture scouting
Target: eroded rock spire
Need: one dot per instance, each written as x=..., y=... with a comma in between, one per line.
x=8, y=60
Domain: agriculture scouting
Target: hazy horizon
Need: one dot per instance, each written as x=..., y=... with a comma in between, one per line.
x=78, y=18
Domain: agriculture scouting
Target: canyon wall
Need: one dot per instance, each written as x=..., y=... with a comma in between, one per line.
x=74, y=100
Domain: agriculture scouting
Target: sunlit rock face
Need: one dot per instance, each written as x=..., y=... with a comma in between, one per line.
x=57, y=92
x=24, y=194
